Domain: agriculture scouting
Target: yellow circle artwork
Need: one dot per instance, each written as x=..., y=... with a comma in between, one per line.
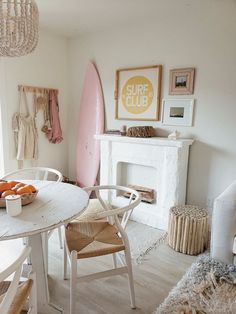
x=137, y=94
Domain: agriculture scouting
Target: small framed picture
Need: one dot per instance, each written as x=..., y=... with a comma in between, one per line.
x=181, y=81
x=138, y=93
x=177, y=112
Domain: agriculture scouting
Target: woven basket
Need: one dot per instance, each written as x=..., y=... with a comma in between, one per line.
x=141, y=131
x=25, y=199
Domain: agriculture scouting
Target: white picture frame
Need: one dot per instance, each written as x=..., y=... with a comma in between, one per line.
x=177, y=112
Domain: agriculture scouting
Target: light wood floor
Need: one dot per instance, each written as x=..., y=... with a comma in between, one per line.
x=154, y=278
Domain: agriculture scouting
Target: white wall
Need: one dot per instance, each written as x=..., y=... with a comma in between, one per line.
x=46, y=67
x=198, y=34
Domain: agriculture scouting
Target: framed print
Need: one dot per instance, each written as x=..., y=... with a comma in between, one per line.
x=181, y=81
x=138, y=93
x=177, y=112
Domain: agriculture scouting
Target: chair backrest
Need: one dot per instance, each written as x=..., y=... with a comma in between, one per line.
x=14, y=269
x=35, y=173
x=115, y=191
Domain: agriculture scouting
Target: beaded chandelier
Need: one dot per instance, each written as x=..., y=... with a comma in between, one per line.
x=19, y=23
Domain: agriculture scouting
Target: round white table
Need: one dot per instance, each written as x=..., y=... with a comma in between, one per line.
x=56, y=204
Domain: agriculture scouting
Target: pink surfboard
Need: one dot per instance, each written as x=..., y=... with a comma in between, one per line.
x=91, y=122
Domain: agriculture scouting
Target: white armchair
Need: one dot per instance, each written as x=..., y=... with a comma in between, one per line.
x=223, y=231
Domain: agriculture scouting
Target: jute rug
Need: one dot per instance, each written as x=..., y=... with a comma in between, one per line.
x=143, y=239
x=208, y=287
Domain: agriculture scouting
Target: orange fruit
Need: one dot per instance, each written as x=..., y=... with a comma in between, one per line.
x=8, y=192
x=4, y=186
x=33, y=189
x=17, y=186
x=12, y=183
x=20, y=184
x=24, y=190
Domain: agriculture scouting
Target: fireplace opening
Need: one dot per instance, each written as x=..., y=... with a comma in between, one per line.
x=139, y=177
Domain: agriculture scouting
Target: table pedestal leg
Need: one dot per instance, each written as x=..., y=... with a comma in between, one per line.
x=44, y=305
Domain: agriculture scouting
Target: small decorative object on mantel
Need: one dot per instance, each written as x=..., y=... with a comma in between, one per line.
x=113, y=132
x=123, y=130
x=174, y=136
x=141, y=131
x=138, y=93
x=181, y=81
x=147, y=194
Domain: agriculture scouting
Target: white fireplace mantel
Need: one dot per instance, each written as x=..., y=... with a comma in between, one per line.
x=159, y=141
x=158, y=163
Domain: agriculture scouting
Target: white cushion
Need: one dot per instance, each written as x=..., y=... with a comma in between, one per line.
x=234, y=246
x=224, y=225
x=94, y=207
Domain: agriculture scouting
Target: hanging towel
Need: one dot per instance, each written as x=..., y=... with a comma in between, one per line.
x=54, y=134
x=25, y=131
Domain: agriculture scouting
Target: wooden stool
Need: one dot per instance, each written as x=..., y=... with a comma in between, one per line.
x=188, y=229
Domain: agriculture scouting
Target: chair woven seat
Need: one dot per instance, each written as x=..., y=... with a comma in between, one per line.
x=93, y=238
x=21, y=296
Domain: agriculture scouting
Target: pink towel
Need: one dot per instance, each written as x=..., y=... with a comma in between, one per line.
x=54, y=135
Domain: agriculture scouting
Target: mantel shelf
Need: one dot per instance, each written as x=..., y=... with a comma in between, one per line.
x=157, y=141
